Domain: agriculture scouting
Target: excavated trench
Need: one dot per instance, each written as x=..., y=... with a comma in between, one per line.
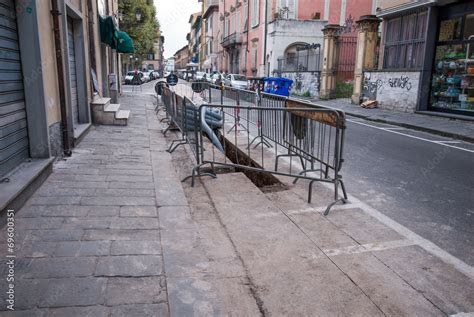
x=266, y=182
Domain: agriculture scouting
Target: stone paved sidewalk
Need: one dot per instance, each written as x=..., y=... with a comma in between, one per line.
x=88, y=241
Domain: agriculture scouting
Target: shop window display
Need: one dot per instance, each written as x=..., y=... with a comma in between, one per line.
x=453, y=76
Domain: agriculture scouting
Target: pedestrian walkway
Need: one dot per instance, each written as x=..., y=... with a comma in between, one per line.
x=88, y=241
x=113, y=232
x=458, y=129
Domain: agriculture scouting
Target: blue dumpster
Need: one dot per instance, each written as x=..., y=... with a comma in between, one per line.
x=277, y=86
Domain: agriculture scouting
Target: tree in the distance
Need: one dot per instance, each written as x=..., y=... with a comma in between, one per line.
x=143, y=32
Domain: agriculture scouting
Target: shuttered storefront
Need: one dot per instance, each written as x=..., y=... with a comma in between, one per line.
x=72, y=70
x=13, y=125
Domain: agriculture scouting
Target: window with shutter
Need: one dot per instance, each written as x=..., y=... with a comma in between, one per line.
x=237, y=21
x=287, y=9
x=255, y=12
x=405, y=41
x=246, y=16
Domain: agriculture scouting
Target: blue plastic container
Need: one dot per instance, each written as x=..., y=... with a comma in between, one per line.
x=277, y=86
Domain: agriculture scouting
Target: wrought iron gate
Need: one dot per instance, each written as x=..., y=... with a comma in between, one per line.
x=346, y=57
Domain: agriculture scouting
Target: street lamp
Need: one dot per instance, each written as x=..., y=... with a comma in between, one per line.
x=138, y=15
x=120, y=15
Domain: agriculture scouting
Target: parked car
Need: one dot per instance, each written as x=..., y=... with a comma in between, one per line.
x=199, y=76
x=130, y=75
x=151, y=74
x=236, y=81
x=145, y=77
x=216, y=78
x=208, y=77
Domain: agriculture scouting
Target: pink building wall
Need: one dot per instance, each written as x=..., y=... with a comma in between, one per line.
x=249, y=39
x=305, y=11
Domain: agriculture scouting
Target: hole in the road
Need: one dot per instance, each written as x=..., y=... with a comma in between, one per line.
x=266, y=182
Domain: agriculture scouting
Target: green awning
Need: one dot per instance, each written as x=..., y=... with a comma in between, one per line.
x=108, y=30
x=112, y=36
x=124, y=43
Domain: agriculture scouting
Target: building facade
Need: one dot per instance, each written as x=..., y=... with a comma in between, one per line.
x=210, y=36
x=53, y=66
x=426, y=57
x=242, y=24
x=254, y=34
x=194, y=37
x=181, y=58
x=155, y=60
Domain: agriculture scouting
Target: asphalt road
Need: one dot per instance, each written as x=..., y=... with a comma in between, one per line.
x=422, y=181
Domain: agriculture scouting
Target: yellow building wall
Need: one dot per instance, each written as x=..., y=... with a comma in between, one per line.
x=49, y=67
x=97, y=51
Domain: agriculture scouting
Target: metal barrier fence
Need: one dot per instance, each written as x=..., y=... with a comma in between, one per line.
x=312, y=136
x=182, y=115
x=290, y=129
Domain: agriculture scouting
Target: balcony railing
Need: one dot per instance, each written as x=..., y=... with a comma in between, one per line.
x=232, y=40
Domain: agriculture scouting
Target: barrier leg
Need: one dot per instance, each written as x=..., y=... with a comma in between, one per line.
x=288, y=155
x=310, y=192
x=336, y=195
x=166, y=130
x=175, y=144
x=197, y=170
x=236, y=126
x=262, y=141
x=304, y=172
x=343, y=187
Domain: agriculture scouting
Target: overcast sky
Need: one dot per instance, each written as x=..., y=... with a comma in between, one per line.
x=174, y=16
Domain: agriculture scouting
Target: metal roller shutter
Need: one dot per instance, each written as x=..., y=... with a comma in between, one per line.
x=72, y=70
x=13, y=126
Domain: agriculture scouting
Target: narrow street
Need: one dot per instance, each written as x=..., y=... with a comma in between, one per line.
x=417, y=179
x=114, y=232
x=236, y=158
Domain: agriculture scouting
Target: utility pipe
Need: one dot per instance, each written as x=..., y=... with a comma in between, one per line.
x=60, y=72
x=265, y=38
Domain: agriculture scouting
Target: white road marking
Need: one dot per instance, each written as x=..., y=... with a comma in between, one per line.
x=370, y=247
x=321, y=209
x=452, y=142
x=393, y=128
x=412, y=136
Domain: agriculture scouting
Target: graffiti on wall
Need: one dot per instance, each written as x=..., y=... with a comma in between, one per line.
x=372, y=86
x=392, y=90
x=304, y=84
x=402, y=82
